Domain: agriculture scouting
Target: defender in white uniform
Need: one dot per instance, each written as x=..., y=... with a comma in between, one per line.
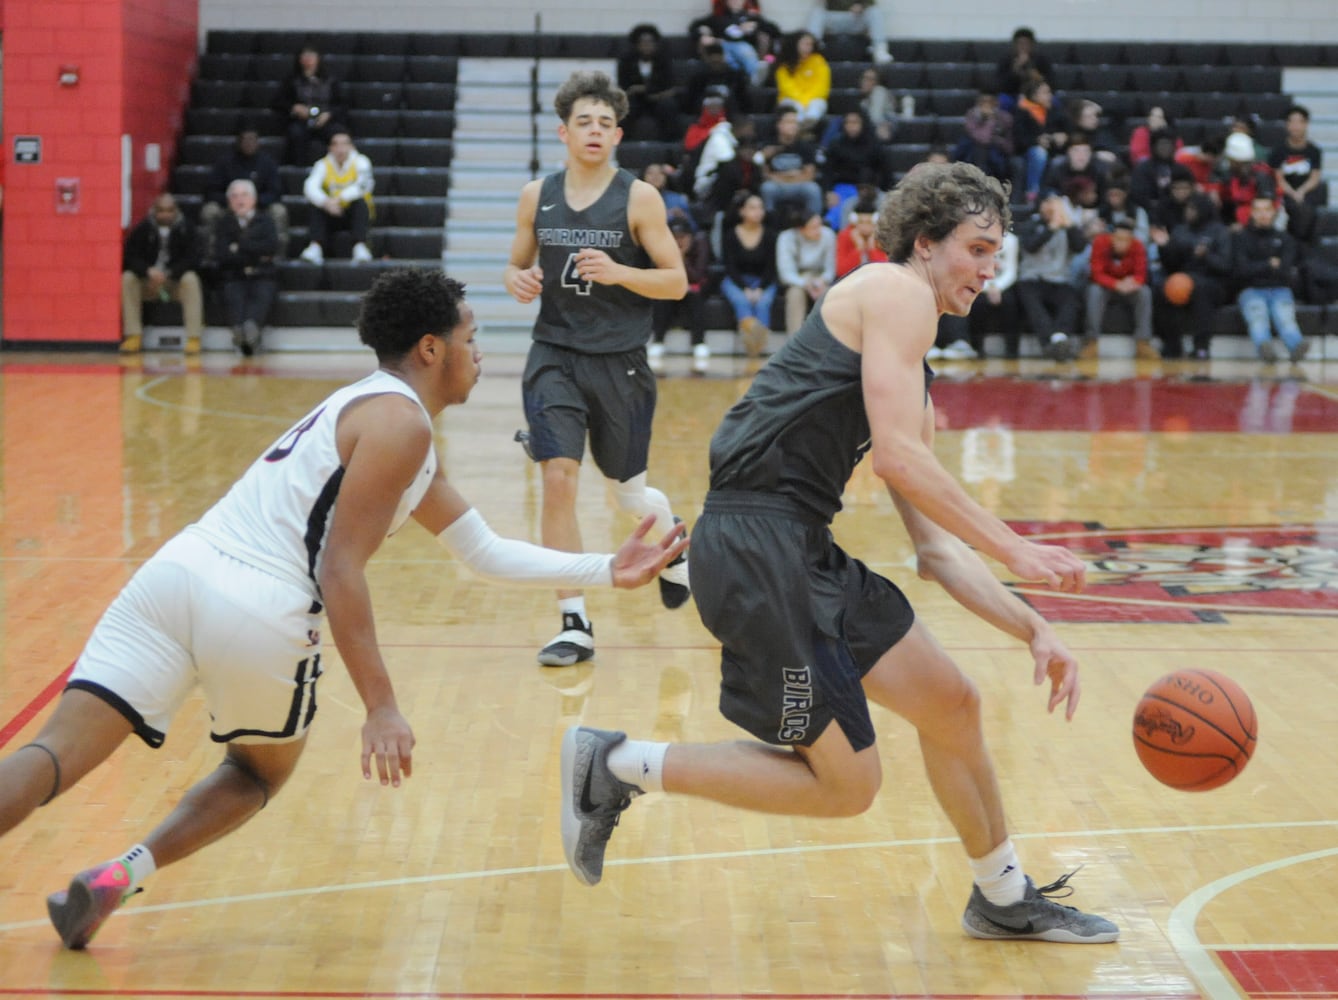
x=235, y=601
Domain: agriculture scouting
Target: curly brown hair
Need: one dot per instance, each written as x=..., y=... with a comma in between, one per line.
x=593, y=85
x=932, y=200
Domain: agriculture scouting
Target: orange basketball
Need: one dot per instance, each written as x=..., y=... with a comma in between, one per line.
x=1178, y=288
x=1195, y=730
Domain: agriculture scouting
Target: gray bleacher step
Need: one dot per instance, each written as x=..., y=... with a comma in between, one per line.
x=516, y=72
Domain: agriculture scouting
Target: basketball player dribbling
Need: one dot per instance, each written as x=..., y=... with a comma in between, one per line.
x=234, y=602
x=809, y=633
x=593, y=245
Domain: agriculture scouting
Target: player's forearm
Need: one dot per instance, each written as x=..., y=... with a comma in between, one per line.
x=916, y=475
x=348, y=608
x=655, y=282
x=970, y=583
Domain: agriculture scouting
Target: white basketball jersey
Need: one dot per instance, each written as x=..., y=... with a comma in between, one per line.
x=277, y=516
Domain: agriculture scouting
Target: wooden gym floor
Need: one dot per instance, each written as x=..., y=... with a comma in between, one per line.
x=1203, y=496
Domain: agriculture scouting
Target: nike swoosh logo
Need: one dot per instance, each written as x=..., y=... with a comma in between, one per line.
x=1027, y=928
x=587, y=804
x=545, y=208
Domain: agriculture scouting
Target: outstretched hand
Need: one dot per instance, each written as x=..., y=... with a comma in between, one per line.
x=1053, y=660
x=637, y=561
x=387, y=737
x=1052, y=565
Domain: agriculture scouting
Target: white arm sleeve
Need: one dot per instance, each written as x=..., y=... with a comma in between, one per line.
x=480, y=548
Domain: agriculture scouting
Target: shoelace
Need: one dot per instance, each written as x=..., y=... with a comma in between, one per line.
x=1059, y=889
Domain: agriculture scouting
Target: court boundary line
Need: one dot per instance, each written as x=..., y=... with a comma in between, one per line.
x=796, y=849
x=1212, y=978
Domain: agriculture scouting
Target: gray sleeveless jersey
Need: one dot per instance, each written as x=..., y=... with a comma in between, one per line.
x=577, y=314
x=800, y=429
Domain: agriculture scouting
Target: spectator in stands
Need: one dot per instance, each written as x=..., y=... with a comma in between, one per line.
x=677, y=205
x=646, y=75
x=690, y=310
x=852, y=17
x=1084, y=208
x=245, y=243
x=1263, y=266
x=1165, y=215
x=748, y=257
x=1048, y=242
x=987, y=141
x=1038, y=133
x=1202, y=162
x=1024, y=62
x=855, y=243
x=1077, y=160
x=1200, y=247
x=805, y=264
x=1086, y=118
x=790, y=167
x=803, y=80
x=339, y=188
x=712, y=77
x=1245, y=179
x=1298, y=166
x=1120, y=271
x=246, y=160
x=726, y=164
x=1140, y=139
x=875, y=100
x=160, y=262
x=1150, y=179
x=852, y=158
x=735, y=25
x=310, y=102
x=1116, y=206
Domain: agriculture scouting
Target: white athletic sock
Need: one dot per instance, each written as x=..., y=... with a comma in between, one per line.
x=139, y=863
x=1000, y=876
x=638, y=499
x=640, y=763
x=574, y=606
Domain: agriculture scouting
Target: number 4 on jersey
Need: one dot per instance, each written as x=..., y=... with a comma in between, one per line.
x=571, y=278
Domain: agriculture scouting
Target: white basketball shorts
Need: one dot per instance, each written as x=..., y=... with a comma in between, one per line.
x=194, y=615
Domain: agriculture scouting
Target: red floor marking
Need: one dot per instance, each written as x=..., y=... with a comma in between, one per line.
x=26, y=714
x=1160, y=404
x=418, y=995
x=1284, y=973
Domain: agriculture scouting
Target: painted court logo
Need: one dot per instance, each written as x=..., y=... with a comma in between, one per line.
x=1192, y=575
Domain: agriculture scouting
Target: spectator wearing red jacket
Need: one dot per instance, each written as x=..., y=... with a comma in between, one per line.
x=1120, y=270
x=855, y=244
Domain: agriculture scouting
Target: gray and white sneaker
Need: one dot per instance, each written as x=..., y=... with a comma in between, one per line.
x=1036, y=917
x=593, y=799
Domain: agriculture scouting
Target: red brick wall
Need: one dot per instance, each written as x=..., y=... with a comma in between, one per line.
x=134, y=58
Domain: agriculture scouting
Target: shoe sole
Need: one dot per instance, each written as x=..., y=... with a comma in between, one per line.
x=566, y=657
x=1056, y=934
x=571, y=821
x=67, y=915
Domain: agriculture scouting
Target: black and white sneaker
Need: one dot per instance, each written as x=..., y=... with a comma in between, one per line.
x=574, y=644
x=1036, y=917
x=674, y=590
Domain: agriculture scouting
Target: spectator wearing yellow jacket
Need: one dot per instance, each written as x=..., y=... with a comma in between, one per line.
x=803, y=79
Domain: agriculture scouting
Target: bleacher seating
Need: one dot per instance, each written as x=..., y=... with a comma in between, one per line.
x=400, y=92
x=399, y=88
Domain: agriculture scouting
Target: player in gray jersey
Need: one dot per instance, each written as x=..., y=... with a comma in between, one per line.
x=234, y=602
x=810, y=634
x=593, y=245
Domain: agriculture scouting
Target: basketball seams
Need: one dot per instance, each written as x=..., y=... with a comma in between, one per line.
x=1181, y=730
x=1243, y=748
x=1216, y=680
